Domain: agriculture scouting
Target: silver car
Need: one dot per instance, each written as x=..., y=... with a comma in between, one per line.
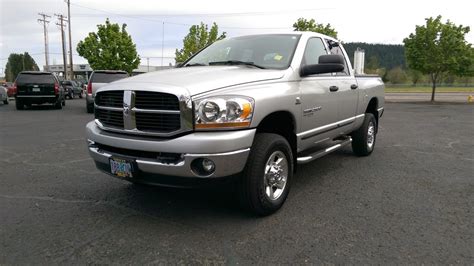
x=4, y=95
x=98, y=79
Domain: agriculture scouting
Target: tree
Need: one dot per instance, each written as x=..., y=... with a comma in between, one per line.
x=17, y=63
x=198, y=37
x=397, y=75
x=110, y=48
x=415, y=76
x=303, y=24
x=439, y=48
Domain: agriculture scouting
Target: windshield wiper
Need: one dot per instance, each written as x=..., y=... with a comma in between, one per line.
x=195, y=64
x=235, y=62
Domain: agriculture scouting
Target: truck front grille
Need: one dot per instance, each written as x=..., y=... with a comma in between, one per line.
x=157, y=101
x=138, y=112
x=110, y=99
x=110, y=118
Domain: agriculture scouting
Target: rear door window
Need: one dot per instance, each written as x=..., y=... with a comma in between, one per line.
x=107, y=77
x=335, y=48
x=35, y=78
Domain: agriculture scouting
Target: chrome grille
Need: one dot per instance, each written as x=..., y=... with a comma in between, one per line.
x=157, y=122
x=157, y=101
x=109, y=118
x=141, y=112
x=110, y=99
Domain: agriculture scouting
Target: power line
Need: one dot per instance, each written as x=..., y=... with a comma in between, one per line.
x=186, y=24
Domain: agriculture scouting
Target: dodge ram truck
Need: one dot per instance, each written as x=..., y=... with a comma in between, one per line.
x=248, y=108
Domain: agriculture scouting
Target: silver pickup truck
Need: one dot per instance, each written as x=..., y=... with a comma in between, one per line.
x=250, y=108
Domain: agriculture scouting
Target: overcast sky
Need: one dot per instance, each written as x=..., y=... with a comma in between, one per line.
x=363, y=20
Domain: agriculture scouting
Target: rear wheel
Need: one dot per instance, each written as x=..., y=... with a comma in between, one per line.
x=19, y=104
x=58, y=104
x=90, y=108
x=64, y=101
x=363, y=139
x=265, y=183
x=6, y=101
x=80, y=95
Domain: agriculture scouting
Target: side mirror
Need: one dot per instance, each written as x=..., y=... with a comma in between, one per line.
x=327, y=64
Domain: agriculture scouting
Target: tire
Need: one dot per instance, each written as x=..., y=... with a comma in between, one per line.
x=64, y=102
x=90, y=108
x=254, y=190
x=6, y=101
x=58, y=105
x=80, y=95
x=363, y=139
x=19, y=104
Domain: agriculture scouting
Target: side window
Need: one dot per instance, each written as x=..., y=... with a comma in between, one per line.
x=336, y=49
x=314, y=48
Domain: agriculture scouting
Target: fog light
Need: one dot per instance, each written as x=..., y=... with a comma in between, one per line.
x=208, y=165
x=203, y=166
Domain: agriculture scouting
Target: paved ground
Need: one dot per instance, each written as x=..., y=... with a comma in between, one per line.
x=454, y=97
x=411, y=202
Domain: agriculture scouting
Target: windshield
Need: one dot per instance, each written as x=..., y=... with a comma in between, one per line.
x=273, y=51
x=38, y=78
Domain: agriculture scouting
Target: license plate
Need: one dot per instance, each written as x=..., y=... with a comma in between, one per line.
x=36, y=89
x=121, y=167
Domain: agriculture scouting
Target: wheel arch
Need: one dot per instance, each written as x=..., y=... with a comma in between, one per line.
x=372, y=108
x=282, y=123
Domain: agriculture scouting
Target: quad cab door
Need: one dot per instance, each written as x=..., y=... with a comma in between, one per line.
x=319, y=106
x=347, y=93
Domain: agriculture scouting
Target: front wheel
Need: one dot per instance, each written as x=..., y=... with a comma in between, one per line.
x=265, y=182
x=363, y=139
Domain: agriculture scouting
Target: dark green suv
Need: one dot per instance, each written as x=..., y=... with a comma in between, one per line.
x=38, y=87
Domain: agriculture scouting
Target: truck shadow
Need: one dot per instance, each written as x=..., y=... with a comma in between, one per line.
x=221, y=200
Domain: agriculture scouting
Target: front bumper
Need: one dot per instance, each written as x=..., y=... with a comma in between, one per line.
x=228, y=150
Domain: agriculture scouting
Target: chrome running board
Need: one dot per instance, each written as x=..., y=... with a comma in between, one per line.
x=321, y=153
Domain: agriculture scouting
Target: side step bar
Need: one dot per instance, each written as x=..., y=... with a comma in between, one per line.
x=321, y=153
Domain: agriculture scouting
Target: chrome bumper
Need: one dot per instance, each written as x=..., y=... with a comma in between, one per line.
x=228, y=150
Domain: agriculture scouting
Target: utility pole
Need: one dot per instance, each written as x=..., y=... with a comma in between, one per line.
x=148, y=64
x=162, y=42
x=45, y=32
x=61, y=24
x=70, y=39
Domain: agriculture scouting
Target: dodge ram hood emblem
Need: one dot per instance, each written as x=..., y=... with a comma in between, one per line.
x=126, y=109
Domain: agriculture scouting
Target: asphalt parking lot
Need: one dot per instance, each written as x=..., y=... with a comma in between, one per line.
x=410, y=202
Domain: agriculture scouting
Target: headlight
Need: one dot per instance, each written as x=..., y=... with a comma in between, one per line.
x=225, y=112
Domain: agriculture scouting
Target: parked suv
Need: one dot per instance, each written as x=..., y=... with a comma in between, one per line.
x=98, y=79
x=72, y=88
x=38, y=87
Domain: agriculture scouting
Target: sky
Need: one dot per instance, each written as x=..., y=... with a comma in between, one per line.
x=387, y=22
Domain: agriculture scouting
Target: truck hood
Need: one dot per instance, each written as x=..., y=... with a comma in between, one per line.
x=198, y=79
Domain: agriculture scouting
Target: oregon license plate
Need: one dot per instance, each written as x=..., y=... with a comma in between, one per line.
x=121, y=167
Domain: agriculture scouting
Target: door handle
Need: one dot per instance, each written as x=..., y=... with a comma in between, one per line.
x=354, y=86
x=333, y=88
